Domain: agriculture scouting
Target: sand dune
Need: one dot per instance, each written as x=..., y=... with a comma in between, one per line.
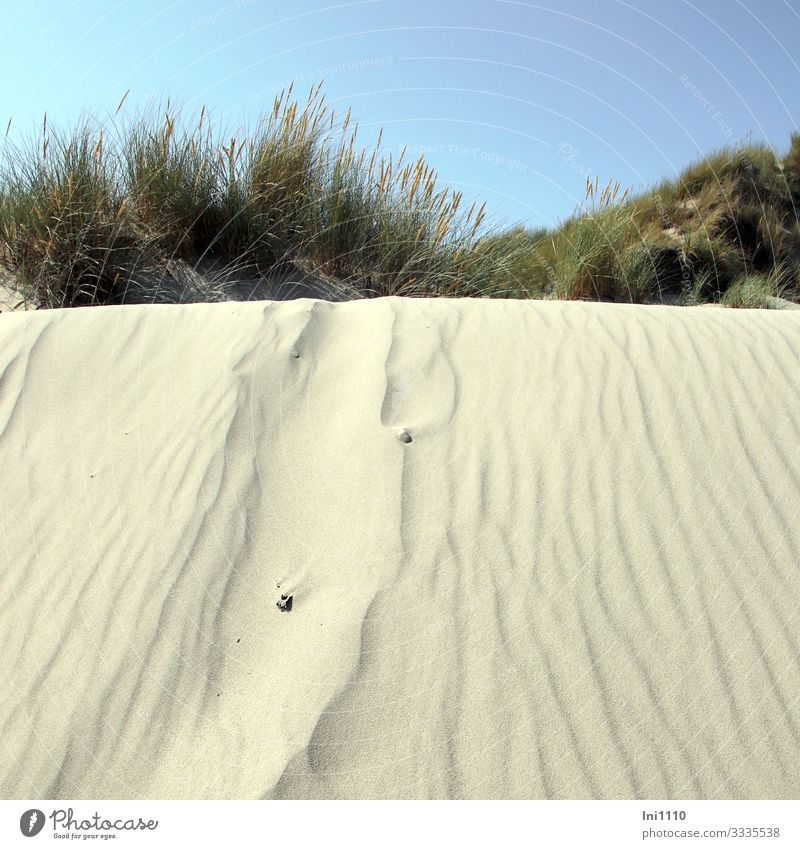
x=544, y=550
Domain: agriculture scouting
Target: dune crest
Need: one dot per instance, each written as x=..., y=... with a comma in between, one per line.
x=534, y=549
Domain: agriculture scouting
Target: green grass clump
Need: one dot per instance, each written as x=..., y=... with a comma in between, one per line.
x=125, y=212
x=102, y=215
x=727, y=223
x=528, y=274
x=755, y=291
x=170, y=181
x=586, y=255
x=66, y=231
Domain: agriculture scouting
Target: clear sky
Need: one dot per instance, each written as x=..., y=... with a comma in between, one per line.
x=514, y=102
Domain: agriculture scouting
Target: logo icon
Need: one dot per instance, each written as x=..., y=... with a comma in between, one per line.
x=31, y=822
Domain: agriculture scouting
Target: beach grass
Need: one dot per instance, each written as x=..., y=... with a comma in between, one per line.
x=723, y=231
x=101, y=215
x=115, y=213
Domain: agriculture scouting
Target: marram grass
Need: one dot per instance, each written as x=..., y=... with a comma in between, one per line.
x=101, y=214
x=123, y=212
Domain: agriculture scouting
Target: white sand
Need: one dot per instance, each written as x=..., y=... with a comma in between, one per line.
x=579, y=579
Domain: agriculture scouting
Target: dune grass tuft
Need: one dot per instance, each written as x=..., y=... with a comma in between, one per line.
x=125, y=211
x=726, y=224
x=103, y=214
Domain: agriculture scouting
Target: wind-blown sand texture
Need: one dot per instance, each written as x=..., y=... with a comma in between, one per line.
x=579, y=579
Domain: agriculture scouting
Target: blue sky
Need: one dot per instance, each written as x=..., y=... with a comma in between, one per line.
x=513, y=102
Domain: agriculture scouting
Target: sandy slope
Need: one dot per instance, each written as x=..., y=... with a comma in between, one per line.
x=579, y=579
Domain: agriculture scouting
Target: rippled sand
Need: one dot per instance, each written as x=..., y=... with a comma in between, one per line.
x=545, y=550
